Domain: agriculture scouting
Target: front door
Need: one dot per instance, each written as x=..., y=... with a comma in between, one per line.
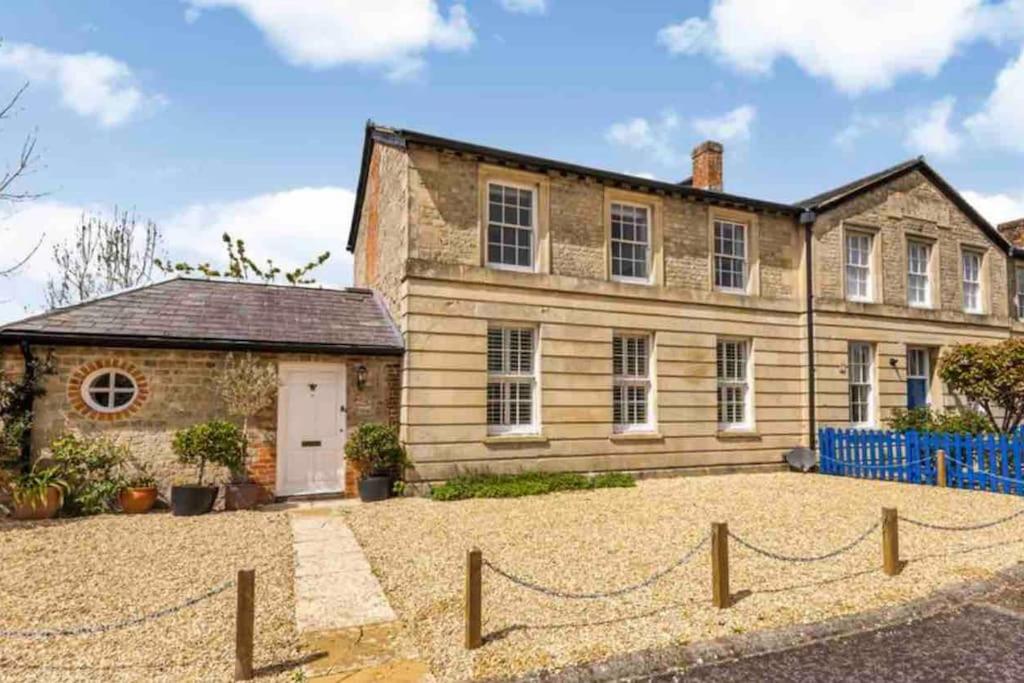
x=311, y=429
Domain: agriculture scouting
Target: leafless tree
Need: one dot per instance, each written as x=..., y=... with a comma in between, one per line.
x=9, y=192
x=105, y=255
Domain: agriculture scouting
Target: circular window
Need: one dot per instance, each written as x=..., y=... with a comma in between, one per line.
x=109, y=390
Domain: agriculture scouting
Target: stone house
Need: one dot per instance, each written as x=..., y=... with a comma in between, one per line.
x=140, y=364
x=560, y=317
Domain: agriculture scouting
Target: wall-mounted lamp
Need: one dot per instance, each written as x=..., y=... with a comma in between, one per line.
x=361, y=374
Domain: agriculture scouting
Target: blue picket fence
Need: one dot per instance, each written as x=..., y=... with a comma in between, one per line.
x=987, y=462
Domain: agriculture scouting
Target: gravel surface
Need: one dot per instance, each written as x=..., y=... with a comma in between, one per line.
x=100, y=570
x=602, y=540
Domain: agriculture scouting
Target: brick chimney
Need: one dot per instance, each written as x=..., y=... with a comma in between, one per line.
x=1013, y=231
x=707, y=166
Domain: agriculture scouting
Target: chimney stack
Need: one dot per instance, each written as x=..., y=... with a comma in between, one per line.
x=707, y=166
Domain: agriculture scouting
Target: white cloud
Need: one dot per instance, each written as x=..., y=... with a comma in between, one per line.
x=291, y=227
x=857, y=45
x=930, y=131
x=90, y=84
x=732, y=126
x=997, y=208
x=653, y=138
x=525, y=6
x=324, y=33
x=858, y=126
x=1000, y=122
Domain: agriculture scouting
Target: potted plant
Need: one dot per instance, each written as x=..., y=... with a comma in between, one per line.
x=216, y=442
x=92, y=467
x=139, y=493
x=246, y=385
x=38, y=493
x=374, y=450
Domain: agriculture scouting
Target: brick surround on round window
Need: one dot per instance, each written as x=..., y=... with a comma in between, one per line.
x=77, y=402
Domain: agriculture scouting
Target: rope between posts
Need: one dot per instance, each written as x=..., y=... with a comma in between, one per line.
x=813, y=558
x=965, y=466
x=854, y=465
x=118, y=625
x=556, y=593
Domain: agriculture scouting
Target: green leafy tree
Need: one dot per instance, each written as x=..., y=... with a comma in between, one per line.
x=990, y=376
x=242, y=267
x=217, y=442
x=246, y=385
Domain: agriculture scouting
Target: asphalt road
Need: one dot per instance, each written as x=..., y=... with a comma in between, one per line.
x=982, y=641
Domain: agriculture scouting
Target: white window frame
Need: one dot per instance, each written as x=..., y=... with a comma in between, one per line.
x=648, y=261
x=972, y=304
x=922, y=272
x=730, y=381
x=532, y=229
x=87, y=391
x=623, y=380
x=921, y=368
x=506, y=377
x=1019, y=286
x=867, y=267
x=719, y=255
x=861, y=373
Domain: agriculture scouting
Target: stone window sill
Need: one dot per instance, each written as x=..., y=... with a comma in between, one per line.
x=636, y=436
x=740, y=434
x=511, y=439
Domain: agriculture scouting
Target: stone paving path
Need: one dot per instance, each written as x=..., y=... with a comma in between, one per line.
x=334, y=586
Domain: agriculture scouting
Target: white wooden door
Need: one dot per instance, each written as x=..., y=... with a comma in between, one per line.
x=311, y=429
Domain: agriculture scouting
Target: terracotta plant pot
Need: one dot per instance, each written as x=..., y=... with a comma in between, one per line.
x=136, y=501
x=242, y=496
x=187, y=501
x=37, y=509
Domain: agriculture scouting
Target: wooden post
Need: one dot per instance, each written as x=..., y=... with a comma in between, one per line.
x=720, y=565
x=940, y=466
x=245, y=623
x=890, y=542
x=474, y=566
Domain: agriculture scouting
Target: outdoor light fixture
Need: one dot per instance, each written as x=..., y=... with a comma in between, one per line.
x=361, y=376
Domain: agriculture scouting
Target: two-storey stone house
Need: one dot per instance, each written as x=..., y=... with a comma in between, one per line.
x=568, y=318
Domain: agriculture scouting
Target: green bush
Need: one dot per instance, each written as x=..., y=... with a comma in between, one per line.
x=953, y=421
x=525, y=484
x=218, y=442
x=375, y=451
x=91, y=466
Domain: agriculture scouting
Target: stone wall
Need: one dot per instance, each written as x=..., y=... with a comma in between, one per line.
x=180, y=392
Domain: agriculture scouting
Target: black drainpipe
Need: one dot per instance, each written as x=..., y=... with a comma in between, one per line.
x=26, y=437
x=807, y=219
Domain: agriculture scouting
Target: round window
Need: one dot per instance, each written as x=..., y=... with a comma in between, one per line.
x=109, y=390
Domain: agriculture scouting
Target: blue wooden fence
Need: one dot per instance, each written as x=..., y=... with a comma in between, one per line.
x=986, y=462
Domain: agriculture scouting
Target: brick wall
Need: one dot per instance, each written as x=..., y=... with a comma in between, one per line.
x=181, y=393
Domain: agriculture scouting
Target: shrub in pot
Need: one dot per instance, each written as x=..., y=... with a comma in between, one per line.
x=37, y=494
x=216, y=442
x=374, y=450
x=92, y=468
x=139, y=493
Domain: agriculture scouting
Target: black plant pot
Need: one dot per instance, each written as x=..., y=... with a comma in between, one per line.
x=373, y=489
x=187, y=501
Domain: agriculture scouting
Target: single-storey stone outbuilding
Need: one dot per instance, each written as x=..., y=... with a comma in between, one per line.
x=140, y=364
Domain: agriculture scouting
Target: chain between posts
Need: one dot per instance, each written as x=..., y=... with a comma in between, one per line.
x=812, y=558
x=968, y=527
x=118, y=625
x=555, y=593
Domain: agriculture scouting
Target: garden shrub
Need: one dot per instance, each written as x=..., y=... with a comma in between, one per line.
x=524, y=484
x=953, y=421
x=218, y=442
x=375, y=451
x=92, y=468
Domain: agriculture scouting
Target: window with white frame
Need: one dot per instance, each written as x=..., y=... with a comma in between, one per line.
x=510, y=226
x=1020, y=293
x=511, y=380
x=730, y=263
x=861, y=380
x=631, y=378
x=918, y=377
x=109, y=390
x=630, y=241
x=733, y=361
x=858, y=266
x=918, y=284
x=972, y=280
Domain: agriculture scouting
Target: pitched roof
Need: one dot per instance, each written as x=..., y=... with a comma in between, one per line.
x=193, y=313
x=820, y=201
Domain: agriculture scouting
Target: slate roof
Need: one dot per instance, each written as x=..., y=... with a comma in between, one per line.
x=829, y=196
x=194, y=313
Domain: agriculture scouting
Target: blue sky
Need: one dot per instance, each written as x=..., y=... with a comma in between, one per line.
x=247, y=115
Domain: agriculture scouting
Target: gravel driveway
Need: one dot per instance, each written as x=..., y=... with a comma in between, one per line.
x=105, y=569
x=600, y=540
